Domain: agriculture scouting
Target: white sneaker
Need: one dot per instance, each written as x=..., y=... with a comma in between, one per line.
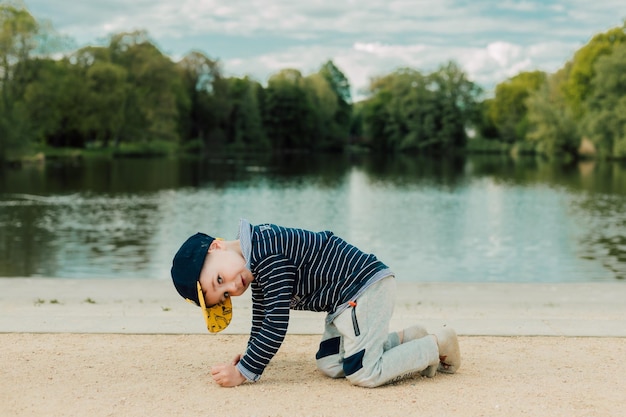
x=449, y=351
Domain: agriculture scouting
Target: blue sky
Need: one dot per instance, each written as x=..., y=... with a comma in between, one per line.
x=490, y=40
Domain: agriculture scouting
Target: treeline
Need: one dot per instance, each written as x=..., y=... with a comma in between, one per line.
x=128, y=94
x=579, y=111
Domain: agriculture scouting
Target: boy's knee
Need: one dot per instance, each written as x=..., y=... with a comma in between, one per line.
x=331, y=368
x=356, y=373
x=363, y=379
x=366, y=375
x=328, y=358
x=353, y=363
x=363, y=383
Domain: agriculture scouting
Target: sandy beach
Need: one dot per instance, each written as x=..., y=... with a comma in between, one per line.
x=168, y=375
x=53, y=371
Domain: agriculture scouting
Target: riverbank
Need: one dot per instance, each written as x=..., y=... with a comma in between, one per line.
x=148, y=306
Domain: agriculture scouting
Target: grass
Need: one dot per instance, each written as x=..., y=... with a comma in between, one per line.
x=41, y=301
x=146, y=149
x=41, y=153
x=479, y=145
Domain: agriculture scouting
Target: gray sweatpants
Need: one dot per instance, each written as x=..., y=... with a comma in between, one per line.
x=357, y=343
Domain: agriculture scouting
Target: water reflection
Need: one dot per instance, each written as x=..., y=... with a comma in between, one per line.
x=482, y=218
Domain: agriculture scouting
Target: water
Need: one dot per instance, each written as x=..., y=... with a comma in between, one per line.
x=479, y=219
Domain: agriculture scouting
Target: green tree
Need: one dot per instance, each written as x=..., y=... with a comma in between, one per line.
x=552, y=127
x=151, y=110
x=54, y=102
x=288, y=117
x=340, y=122
x=605, y=121
x=337, y=80
x=411, y=111
x=393, y=115
x=578, y=86
x=508, y=111
x=376, y=117
x=204, y=114
x=457, y=98
x=105, y=106
x=245, y=126
x=484, y=122
x=324, y=132
x=18, y=31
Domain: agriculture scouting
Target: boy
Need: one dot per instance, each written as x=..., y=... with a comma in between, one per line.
x=289, y=268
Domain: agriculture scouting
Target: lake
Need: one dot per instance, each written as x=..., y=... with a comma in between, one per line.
x=471, y=219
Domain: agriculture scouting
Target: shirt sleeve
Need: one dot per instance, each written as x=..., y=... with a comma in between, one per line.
x=270, y=314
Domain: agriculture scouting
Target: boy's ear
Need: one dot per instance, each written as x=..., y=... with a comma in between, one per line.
x=216, y=244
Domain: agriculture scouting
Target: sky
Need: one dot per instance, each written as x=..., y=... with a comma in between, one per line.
x=490, y=40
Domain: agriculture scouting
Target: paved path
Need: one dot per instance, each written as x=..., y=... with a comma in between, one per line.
x=144, y=306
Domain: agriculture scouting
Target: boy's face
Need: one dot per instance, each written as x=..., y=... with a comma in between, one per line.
x=224, y=274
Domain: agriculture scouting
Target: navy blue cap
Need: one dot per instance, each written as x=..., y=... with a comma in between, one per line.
x=188, y=263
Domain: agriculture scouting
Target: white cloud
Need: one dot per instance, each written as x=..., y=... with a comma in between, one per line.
x=519, y=6
x=405, y=52
x=486, y=65
x=490, y=40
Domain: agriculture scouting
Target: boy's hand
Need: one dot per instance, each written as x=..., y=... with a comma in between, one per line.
x=227, y=375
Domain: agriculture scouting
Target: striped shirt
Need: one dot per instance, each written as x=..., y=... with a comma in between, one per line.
x=301, y=270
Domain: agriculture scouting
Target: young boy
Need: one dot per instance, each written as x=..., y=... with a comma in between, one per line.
x=297, y=269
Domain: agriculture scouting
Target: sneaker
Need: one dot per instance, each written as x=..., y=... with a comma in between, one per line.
x=449, y=351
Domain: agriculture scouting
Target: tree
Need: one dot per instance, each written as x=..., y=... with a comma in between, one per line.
x=288, y=117
x=54, y=102
x=337, y=80
x=552, y=127
x=340, y=122
x=412, y=111
x=605, y=108
x=457, y=98
x=394, y=115
x=105, y=106
x=483, y=120
x=151, y=110
x=376, y=116
x=324, y=132
x=578, y=85
x=18, y=30
x=205, y=111
x=508, y=110
x=244, y=123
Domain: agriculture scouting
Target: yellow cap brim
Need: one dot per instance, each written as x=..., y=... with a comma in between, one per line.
x=217, y=317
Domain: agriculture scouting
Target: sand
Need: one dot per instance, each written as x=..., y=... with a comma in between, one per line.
x=69, y=374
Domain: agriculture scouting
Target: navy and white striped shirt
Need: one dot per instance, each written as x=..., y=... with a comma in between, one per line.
x=301, y=270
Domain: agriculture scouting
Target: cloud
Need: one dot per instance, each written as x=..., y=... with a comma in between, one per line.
x=486, y=66
x=490, y=40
